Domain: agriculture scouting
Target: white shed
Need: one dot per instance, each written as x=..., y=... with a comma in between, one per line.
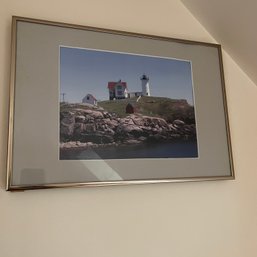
x=89, y=99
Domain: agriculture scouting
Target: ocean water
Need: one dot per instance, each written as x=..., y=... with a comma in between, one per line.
x=178, y=149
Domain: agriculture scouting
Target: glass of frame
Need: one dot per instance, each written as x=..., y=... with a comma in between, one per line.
x=94, y=107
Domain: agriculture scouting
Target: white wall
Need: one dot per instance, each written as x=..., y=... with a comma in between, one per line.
x=203, y=219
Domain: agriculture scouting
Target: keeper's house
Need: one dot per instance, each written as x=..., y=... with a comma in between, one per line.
x=117, y=90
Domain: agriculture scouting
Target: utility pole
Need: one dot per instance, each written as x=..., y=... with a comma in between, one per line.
x=63, y=97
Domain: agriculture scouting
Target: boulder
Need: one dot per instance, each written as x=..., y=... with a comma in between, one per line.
x=67, y=124
x=138, y=121
x=89, y=128
x=66, y=130
x=172, y=128
x=78, y=128
x=112, y=123
x=132, y=141
x=129, y=128
x=178, y=122
x=80, y=118
x=96, y=114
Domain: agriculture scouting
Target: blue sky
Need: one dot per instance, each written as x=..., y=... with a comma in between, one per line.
x=84, y=71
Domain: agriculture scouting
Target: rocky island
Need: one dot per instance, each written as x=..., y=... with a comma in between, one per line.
x=154, y=120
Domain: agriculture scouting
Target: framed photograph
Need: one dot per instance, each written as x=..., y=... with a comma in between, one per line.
x=95, y=107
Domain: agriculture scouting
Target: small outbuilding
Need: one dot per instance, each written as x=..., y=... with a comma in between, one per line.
x=130, y=108
x=89, y=99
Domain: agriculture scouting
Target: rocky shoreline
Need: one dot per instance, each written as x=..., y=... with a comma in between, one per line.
x=90, y=127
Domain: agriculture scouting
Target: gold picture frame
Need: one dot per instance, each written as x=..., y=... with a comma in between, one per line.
x=43, y=53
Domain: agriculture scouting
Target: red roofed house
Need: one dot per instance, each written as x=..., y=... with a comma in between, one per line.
x=89, y=99
x=117, y=90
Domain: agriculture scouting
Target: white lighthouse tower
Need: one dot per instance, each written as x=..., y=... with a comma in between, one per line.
x=145, y=85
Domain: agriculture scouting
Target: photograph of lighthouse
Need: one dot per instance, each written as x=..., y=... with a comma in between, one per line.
x=116, y=105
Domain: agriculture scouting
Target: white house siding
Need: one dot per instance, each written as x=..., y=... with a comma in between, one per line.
x=89, y=99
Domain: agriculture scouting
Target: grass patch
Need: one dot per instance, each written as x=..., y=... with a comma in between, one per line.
x=163, y=107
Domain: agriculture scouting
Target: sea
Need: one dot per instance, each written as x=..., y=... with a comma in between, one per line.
x=177, y=149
